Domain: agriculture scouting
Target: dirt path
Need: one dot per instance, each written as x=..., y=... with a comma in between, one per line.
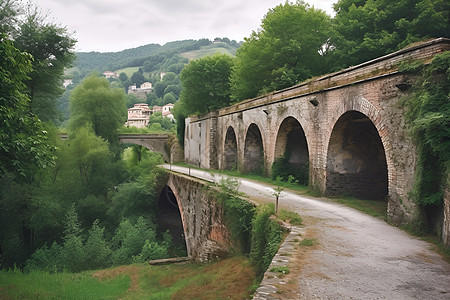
x=356, y=256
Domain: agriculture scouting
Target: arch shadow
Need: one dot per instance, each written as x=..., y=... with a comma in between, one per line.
x=170, y=219
x=356, y=160
x=230, y=152
x=253, y=151
x=291, y=152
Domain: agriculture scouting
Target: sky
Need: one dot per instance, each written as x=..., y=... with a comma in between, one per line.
x=115, y=25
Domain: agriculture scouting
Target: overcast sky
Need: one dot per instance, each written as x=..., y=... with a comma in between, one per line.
x=114, y=25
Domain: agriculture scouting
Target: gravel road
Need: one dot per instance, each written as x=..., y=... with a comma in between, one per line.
x=356, y=256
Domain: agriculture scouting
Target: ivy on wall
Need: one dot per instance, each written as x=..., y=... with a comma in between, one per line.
x=428, y=115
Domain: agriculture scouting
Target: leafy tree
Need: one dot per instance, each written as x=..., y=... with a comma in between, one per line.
x=72, y=252
x=169, y=98
x=93, y=102
x=288, y=48
x=159, y=88
x=206, y=84
x=123, y=77
x=24, y=149
x=97, y=251
x=157, y=118
x=368, y=29
x=130, y=239
x=52, y=50
x=138, y=77
x=8, y=15
x=174, y=89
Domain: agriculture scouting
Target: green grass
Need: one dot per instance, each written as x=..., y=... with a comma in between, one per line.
x=290, y=217
x=39, y=285
x=374, y=208
x=308, y=242
x=282, y=270
x=231, y=278
x=129, y=71
x=209, y=51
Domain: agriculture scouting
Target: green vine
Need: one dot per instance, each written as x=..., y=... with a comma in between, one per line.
x=428, y=114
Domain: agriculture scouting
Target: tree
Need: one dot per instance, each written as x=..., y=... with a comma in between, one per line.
x=169, y=98
x=24, y=148
x=52, y=50
x=123, y=77
x=288, y=48
x=368, y=29
x=206, y=84
x=94, y=102
x=138, y=77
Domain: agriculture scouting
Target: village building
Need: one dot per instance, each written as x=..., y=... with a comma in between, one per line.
x=141, y=91
x=110, y=74
x=139, y=115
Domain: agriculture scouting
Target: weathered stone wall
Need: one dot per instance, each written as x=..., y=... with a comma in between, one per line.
x=373, y=89
x=202, y=216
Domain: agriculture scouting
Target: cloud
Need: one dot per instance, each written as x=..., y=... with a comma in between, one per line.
x=113, y=25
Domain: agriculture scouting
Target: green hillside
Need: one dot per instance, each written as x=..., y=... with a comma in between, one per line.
x=210, y=50
x=153, y=55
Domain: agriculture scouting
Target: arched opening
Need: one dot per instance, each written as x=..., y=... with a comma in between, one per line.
x=253, y=151
x=230, y=150
x=356, y=161
x=291, y=152
x=170, y=219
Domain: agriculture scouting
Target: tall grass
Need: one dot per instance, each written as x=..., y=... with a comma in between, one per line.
x=230, y=278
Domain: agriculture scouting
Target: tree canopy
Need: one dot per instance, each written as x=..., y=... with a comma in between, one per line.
x=94, y=103
x=287, y=49
x=51, y=47
x=206, y=84
x=23, y=143
x=367, y=29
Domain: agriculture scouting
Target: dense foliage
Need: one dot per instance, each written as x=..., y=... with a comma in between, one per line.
x=429, y=118
x=367, y=29
x=24, y=149
x=253, y=230
x=288, y=49
x=206, y=84
x=94, y=102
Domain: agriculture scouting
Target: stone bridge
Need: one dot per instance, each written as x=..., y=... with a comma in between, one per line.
x=161, y=143
x=189, y=209
x=347, y=128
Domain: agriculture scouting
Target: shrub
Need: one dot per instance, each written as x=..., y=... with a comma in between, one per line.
x=267, y=235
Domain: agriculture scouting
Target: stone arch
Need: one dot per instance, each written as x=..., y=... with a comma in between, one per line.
x=291, y=149
x=230, y=150
x=253, y=150
x=356, y=163
x=170, y=217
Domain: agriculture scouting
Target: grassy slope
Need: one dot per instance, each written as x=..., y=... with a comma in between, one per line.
x=209, y=50
x=230, y=278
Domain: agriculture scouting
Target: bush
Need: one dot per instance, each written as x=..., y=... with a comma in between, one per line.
x=96, y=250
x=281, y=167
x=238, y=214
x=45, y=259
x=267, y=236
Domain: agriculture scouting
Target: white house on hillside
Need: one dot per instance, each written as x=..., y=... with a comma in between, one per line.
x=139, y=115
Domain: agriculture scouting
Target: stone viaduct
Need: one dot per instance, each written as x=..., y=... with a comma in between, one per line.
x=348, y=128
x=161, y=143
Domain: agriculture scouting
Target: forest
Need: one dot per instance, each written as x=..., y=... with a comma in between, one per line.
x=88, y=202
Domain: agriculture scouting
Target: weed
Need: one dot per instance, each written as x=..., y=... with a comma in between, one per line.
x=308, y=242
x=280, y=269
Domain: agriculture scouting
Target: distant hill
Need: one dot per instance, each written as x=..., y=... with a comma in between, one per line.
x=154, y=54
